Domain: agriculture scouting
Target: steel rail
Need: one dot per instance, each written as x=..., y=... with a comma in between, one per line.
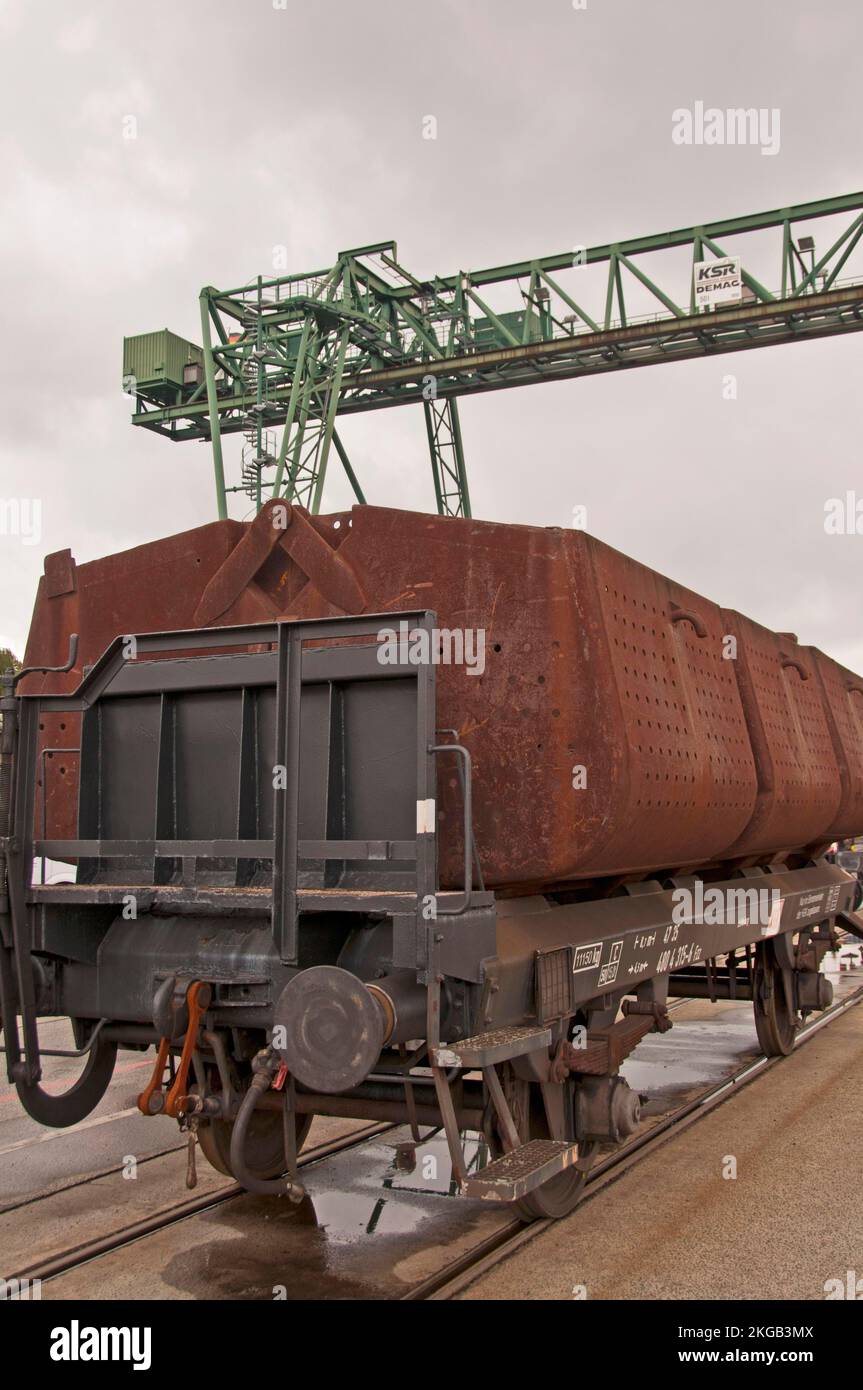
x=77, y=1255
x=297, y=350
x=487, y=1253
x=465, y=1270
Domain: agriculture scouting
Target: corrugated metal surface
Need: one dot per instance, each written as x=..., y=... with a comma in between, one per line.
x=487, y=333
x=158, y=358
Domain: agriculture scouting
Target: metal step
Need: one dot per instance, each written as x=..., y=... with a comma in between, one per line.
x=485, y=1049
x=521, y=1171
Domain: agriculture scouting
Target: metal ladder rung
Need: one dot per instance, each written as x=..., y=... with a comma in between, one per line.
x=486, y=1049
x=521, y=1170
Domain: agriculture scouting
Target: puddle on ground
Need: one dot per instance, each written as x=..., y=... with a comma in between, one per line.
x=378, y=1219
x=671, y=1067
x=375, y=1221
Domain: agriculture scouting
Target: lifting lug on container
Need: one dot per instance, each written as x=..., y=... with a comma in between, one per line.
x=278, y=523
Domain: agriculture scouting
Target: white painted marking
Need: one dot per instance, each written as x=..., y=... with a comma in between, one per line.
x=586, y=957
x=72, y=1129
x=426, y=817
x=775, y=918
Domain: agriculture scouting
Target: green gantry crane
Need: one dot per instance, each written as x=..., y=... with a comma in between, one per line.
x=282, y=357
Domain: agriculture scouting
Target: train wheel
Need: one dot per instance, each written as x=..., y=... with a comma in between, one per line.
x=775, y=1024
x=561, y=1194
x=265, y=1153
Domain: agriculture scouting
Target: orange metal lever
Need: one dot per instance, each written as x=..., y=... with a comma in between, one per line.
x=155, y=1082
x=198, y=1000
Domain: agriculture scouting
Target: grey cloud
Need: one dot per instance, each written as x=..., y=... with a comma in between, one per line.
x=302, y=127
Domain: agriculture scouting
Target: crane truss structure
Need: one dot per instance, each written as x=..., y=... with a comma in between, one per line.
x=283, y=357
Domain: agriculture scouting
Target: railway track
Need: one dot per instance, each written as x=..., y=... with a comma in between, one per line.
x=74, y=1256
x=463, y=1270
x=459, y=1275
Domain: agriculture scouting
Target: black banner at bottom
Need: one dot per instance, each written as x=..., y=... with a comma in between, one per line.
x=689, y=1336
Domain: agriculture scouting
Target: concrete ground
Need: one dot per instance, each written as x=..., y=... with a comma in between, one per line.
x=672, y=1226
x=675, y=1227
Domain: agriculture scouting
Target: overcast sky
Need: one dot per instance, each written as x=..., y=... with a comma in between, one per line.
x=260, y=126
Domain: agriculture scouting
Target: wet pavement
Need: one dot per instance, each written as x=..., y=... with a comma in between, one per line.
x=35, y=1159
x=707, y=1042
x=369, y=1230
x=753, y=1202
x=379, y=1219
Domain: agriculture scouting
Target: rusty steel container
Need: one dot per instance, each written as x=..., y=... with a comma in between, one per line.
x=610, y=735
x=842, y=698
x=799, y=786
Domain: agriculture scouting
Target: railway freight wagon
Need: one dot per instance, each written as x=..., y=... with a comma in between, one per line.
x=411, y=818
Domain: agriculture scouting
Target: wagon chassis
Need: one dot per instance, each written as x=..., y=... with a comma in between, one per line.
x=465, y=1010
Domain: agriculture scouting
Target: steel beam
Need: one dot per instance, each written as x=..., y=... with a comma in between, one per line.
x=365, y=334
